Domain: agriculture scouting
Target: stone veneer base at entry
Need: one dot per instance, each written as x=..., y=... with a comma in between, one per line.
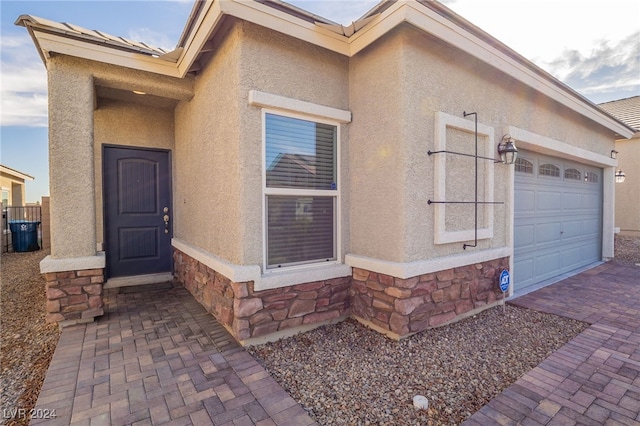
x=74, y=296
x=394, y=306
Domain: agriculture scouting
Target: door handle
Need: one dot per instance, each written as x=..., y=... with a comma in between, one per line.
x=166, y=220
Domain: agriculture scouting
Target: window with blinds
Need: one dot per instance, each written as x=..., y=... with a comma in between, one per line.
x=300, y=191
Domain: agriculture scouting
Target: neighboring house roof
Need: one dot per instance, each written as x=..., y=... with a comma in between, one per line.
x=15, y=173
x=207, y=18
x=626, y=110
x=306, y=162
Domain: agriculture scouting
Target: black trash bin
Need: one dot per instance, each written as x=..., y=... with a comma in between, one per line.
x=24, y=235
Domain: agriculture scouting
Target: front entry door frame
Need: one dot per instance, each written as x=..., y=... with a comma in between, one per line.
x=136, y=237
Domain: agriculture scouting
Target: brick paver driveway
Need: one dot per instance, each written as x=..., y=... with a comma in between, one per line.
x=595, y=378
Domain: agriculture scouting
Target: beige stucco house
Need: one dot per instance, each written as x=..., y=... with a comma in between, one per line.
x=290, y=171
x=12, y=184
x=628, y=191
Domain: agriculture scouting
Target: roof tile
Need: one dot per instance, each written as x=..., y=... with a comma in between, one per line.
x=626, y=110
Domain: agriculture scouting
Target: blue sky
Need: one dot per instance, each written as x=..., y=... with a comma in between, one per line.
x=593, y=46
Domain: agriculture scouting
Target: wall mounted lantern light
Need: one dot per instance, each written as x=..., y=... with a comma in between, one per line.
x=507, y=150
x=614, y=154
x=620, y=176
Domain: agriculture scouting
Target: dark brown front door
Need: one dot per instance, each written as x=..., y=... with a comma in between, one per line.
x=137, y=211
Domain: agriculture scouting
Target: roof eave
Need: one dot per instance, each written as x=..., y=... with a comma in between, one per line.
x=14, y=172
x=428, y=16
x=435, y=19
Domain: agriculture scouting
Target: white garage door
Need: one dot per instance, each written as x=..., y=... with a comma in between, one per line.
x=557, y=220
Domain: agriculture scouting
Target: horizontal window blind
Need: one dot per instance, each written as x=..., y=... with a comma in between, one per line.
x=299, y=153
x=300, y=229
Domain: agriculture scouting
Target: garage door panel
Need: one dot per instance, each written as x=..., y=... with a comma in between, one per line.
x=590, y=228
x=557, y=221
x=524, y=236
x=591, y=202
x=548, y=265
x=525, y=270
x=548, y=232
x=525, y=200
x=572, y=258
x=591, y=250
x=572, y=229
x=549, y=201
x=572, y=201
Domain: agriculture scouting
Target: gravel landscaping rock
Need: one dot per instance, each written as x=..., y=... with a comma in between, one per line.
x=28, y=342
x=349, y=374
x=627, y=250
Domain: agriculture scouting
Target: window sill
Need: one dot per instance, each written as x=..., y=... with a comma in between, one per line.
x=300, y=275
x=282, y=277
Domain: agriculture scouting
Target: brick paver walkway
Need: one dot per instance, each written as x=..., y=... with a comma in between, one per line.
x=157, y=357
x=595, y=378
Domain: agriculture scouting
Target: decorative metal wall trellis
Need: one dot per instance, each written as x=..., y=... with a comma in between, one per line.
x=475, y=202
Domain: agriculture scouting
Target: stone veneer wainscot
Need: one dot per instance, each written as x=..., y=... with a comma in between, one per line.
x=401, y=307
x=250, y=314
x=394, y=306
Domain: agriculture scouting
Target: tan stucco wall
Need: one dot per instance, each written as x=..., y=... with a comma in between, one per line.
x=378, y=154
x=71, y=177
x=393, y=88
x=397, y=86
x=206, y=159
x=284, y=66
x=219, y=135
x=74, y=158
x=628, y=192
x=127, y=124
x=15, y=187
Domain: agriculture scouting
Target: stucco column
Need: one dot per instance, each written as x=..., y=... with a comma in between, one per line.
x=71, y=163
x=74, y=272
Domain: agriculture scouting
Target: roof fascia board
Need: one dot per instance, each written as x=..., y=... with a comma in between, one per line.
x=207, y=21
x=379, y=26
x=55, y=43
x=433, y=23
x=420, y=16
x=211, y=15
x=15, y=173
x=285, y=23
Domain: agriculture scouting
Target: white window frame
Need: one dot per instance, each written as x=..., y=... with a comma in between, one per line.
x=337, y=230
x=8, y=191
